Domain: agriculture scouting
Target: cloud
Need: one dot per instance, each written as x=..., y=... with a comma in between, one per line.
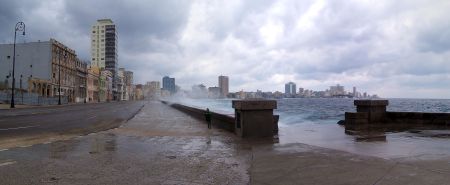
x=389, y=47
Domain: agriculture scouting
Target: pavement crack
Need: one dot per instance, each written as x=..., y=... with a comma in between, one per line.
x=386, y=173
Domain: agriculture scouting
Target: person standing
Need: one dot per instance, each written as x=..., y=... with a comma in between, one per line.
x=208, y=118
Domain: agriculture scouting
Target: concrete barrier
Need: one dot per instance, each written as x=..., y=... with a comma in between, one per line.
x=228, y=122
x=219, y=120
x=254, y=118
x=372, y=114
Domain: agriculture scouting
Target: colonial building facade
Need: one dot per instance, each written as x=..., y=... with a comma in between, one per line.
x=42, y=67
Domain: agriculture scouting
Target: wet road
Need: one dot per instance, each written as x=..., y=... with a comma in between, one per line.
x=33, y=125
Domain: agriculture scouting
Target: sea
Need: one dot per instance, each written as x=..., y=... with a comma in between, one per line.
x=313, y=121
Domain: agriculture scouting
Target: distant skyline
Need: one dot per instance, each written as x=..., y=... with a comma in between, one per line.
x=391, y=48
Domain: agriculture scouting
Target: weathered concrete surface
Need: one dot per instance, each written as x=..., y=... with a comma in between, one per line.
x=161, y=145
x=254, y=118
x=304, y=164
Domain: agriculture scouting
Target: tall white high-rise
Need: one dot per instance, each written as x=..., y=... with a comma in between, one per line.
x=104, y=50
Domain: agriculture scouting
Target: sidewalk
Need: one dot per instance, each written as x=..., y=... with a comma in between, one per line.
x=161, y=145
x=7, y=106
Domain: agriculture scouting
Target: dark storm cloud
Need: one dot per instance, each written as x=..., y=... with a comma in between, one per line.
x=259, y=44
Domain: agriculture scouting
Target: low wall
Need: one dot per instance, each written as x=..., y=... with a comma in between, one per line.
x=385, y=120
x=419, y=119
x=218, y=120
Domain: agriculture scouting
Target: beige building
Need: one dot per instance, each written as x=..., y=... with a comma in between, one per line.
x=105, y=86
x=93, y=84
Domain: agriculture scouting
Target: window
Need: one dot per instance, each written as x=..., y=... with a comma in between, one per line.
x=93, y=58
x=103, y=58
x=54, y=75
x=93, y=31
x=103, y=31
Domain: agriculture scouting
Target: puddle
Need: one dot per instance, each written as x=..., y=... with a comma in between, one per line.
x=390, y=145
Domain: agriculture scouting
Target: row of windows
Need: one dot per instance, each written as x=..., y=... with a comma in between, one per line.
x=93, y=59
x=103, y=31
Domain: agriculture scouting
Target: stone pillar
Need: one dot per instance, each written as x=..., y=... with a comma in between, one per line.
x=254, y=118
x=356, y=121
x=376, y=109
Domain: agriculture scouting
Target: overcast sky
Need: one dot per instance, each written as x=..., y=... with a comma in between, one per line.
x=390, y=48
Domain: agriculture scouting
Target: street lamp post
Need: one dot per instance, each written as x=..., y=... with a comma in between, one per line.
x=20, y=26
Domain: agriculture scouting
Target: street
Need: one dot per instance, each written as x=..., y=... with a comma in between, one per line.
x=22, y=127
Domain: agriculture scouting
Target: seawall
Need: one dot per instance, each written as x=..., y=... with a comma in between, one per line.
x=373, y=114
x=219, y=120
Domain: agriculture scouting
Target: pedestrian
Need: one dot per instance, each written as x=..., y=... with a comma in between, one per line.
x=208, y=118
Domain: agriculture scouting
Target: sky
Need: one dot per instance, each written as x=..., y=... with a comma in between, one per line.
x=396, y=49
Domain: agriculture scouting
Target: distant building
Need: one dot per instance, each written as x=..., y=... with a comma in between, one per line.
x=337, y=90
x=105, y=86
x=354, y=92
x=214, y=92
x=169, y=84
x=290, y=89
x=223, y=85
x=139, y=92
x=121, y=93
x=154, y=89
x=104, y=50
x=93, y=84
x=199, y=91
x=128, y=82
x=80, y=81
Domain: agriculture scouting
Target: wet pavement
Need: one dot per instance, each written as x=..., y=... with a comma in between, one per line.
x=28, y=126
x=161, y=145
x=158, y=146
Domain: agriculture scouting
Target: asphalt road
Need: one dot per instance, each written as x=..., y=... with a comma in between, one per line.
x=33, y=125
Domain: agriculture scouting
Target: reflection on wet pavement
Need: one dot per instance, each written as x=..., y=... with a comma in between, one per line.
x=166, y=150
x=390, y=145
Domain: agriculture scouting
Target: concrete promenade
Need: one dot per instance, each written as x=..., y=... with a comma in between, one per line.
x=161, y=145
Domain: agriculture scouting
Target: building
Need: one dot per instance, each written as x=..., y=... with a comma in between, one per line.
x=129, y=86
x=139, y=92
x=104, y=50
x=169, y=84
x=41, y=67
x=80, y=81
x=337, y=90
x=93, y=84
x=121, y=93
x=223, y=85
x=354, y=92
x=290, y=89
x=199, y=91
x=105, y=86
x=214, y=92
x=154, y=89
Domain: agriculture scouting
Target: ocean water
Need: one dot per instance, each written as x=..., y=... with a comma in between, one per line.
x=295, y=111
x=313, y=121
